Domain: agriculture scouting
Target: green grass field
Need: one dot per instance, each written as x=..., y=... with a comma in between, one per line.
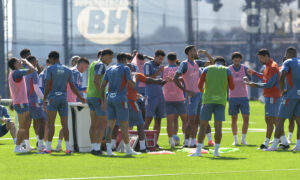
x=249, y=163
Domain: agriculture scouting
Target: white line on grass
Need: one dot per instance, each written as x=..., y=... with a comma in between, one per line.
x=177, y=174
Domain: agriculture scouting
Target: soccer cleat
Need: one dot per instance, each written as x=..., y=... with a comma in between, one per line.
x=172, y=145
x=262, y=147
x=131, y=152
x=68, y=151
x=58, y=148
x=94, y=152
x=29, y=149
x=194, y=146
x=144, y=150
x=41, y=147
x=235, y=143
x=110, y=153
x=290, y=141
x=271, y=149
x=216, y=154
x=196, y=154
x=114, y=149
x=185, y=146
x=20, y=150
x=211, y=143
x=284, y=147
x=244, y=142
x=45, y=151
x=296, y=148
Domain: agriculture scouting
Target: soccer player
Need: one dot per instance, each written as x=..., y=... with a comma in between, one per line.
x=238, y=97
x=80, y=66
x=135, y=114
x=98, y=115
x=155, y=101
x=36, y=111
x=271, y=92
x=174, y=97
x=292, y=119
x=42, y=76
x=217, y=79
x=290, y=104
x=24, y=53
x=139, y=61
x=42, y=82
x=77, y=70
x=6, y=124
x=189, y=70
x=55, y=98
x=117, y=76
x=17, y=87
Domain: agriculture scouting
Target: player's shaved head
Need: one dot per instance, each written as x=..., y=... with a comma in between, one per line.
x=25, y=53
x=122, y=57
x=188, y=48
x=263, y=52
x=129, y=56
x=220, y=59
x=172, y=56
x=83, y=60
x=31, y=59
x=290, y=52
x=11, y=63
x=53, y=55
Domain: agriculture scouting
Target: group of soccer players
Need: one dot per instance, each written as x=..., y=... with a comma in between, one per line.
x=133, y=92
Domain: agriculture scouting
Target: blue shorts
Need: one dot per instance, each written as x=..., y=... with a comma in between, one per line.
x=175, y=107
x=21, y=108
x=36, y=111
x=141, y=103
x=135, y=114
x=238, y=104
x=289, y=108
x=58, y=103
x=117, y=111
x=3, y=130
x=194, y=104
x=208, y=109
x=95, y=105
x=272, y=106
x=155, y=106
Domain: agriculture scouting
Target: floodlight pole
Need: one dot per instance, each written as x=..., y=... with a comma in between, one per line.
x=189, y=21
x=133, y=40
x=65, y=31
x=2, y=51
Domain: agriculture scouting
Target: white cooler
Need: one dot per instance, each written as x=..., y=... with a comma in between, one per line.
x=79, y=125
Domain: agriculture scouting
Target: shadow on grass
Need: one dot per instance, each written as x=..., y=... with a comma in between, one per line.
x=226, y=158
x=26, y=154
x=285, y=151
x=242, y=145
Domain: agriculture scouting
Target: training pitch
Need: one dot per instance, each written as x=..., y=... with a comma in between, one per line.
x=248, y=163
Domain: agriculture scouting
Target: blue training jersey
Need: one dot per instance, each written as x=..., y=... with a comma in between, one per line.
x=117, y=76
x=31, y=80
x=59, y=75
x=153, y=90
x=42, y=79
x=292, y=68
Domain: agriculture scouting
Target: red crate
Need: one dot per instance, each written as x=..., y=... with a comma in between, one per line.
x=151, y=138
